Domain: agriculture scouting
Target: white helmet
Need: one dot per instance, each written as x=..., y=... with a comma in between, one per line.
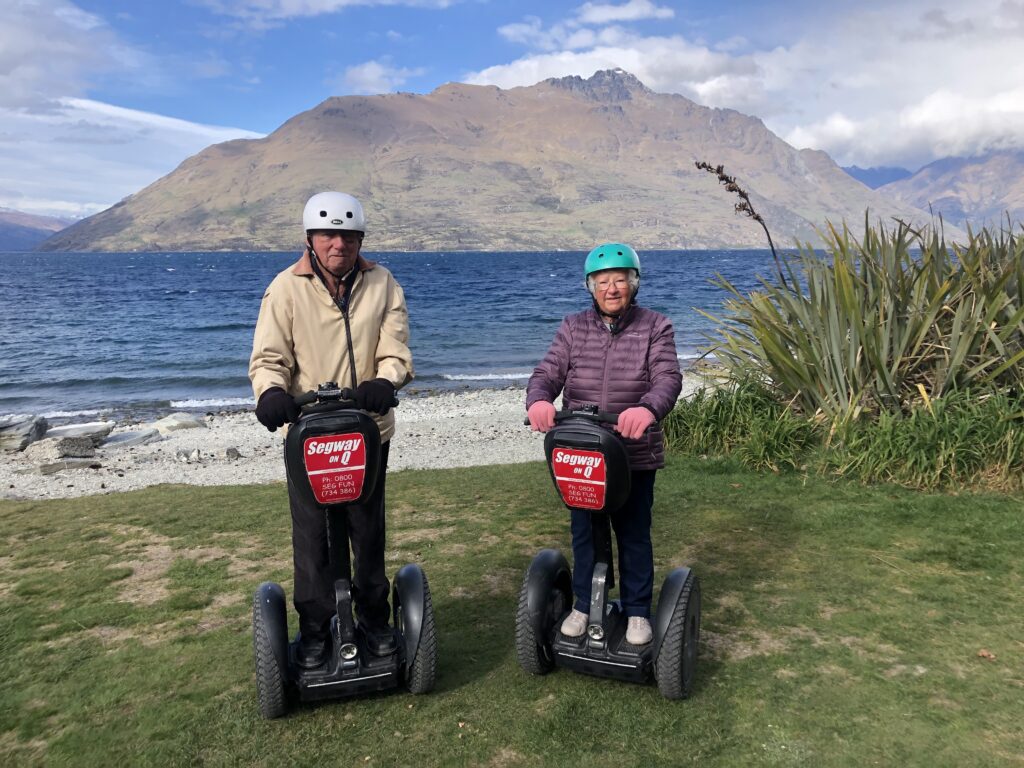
x=333, y=211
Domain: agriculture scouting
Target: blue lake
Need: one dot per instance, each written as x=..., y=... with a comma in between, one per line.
x=118, y=335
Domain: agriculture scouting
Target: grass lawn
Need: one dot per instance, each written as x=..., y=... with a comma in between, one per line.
x=842, y=625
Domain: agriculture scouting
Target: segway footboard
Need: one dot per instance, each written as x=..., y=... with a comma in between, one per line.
x=364, y=673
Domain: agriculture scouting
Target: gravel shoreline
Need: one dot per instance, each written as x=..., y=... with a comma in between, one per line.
x=452, y=429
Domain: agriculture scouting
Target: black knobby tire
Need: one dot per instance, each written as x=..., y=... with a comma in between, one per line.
x=423, y=669
x=270, y=678
x=676, y=665
x=534, y=653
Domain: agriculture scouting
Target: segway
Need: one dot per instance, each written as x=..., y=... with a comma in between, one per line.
x=332, y=456
x=590, y=469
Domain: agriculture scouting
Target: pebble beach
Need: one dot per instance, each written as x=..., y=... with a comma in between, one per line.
x=451, y=429
x=444, y=430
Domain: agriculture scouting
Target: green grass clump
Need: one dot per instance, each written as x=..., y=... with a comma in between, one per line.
x=745, y=420
x=962, y=440
x=843, y=625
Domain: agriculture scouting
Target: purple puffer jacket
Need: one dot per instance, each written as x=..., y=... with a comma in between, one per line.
x=636, y=366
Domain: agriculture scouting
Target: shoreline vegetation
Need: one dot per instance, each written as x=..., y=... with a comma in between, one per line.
x=893, y=357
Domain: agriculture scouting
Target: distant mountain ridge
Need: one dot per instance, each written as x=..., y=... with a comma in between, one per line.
x=877, y=177
x=562, y=164
x=976, y=190
x=24, y=231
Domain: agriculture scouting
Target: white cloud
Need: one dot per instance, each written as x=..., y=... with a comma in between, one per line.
x=662, y=63
x=263, y=13
x=46, y=48
x=82, y=156
x=634, y=10
x=870, y=83
x=372, y=77
x=65, y=155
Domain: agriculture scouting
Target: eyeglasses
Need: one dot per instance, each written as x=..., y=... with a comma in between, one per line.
x=605, y=284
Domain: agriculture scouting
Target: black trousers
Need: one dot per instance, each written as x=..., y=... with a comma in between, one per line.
x=315, y=571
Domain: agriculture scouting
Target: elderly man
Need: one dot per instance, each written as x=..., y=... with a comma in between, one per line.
x=622, y=358
x=334, y=316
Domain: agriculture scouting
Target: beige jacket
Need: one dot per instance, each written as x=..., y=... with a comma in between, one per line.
x=300, y=334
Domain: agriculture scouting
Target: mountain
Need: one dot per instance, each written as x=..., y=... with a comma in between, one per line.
x=24, y=231
x=976, y=190
x=876, y=177
x=562, y=164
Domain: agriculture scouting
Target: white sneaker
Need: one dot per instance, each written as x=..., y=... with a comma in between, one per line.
x=638, y=631
x=575, y=624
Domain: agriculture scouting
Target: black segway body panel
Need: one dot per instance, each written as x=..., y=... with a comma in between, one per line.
x=589, y=465
x=332, y=455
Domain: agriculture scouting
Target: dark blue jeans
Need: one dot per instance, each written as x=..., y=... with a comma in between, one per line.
x=632, y=526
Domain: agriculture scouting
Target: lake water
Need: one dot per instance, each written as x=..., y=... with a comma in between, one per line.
x=123, y=334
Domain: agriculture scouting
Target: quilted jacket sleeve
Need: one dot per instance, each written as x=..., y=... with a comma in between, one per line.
x=549, y=376
x=663, y=364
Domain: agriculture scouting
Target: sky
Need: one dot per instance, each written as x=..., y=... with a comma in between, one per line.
x=99, y=98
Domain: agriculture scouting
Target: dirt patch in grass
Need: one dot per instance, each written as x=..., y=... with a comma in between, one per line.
x=737, y=647
x=749, y=642
x=421, y=534
x=502, y=581
x=29, y=752
x=148, y=582
x=215, y=616
x=505, y=757
x=902, y=670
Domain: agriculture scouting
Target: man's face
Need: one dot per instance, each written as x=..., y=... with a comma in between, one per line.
x=337, y=250
x=611, y=290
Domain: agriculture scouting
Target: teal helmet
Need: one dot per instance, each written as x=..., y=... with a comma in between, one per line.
x=610, y=256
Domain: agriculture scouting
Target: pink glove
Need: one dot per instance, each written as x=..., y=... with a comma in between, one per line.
x=633, y=422
x=541, y=415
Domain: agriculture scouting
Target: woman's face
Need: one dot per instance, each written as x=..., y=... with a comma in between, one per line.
x=611, y=290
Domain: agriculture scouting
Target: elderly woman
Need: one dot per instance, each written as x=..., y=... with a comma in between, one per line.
x=622, y=358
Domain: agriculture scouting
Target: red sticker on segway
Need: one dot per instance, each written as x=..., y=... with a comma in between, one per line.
x=336, y=466
x=580, y=476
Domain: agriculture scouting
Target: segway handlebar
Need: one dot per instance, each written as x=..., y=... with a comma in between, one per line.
x=330, y=392
x=588, y=412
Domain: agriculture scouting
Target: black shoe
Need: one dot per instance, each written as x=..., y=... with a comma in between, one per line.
x=380, y=641
x=311, y=652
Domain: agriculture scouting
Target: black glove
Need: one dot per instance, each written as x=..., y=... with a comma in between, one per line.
x=276, y=408
x=375, y=395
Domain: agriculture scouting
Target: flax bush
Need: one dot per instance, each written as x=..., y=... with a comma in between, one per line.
x=880, y=324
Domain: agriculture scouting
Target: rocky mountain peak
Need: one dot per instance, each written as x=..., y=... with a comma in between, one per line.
x=603, y=85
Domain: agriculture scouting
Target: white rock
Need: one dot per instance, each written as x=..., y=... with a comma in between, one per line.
x=129, y=439
x=94, y=430
x=176, y=421
x=17, y=432
x=54, y=448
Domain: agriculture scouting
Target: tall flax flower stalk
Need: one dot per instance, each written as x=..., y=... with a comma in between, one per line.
x=744, y=206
